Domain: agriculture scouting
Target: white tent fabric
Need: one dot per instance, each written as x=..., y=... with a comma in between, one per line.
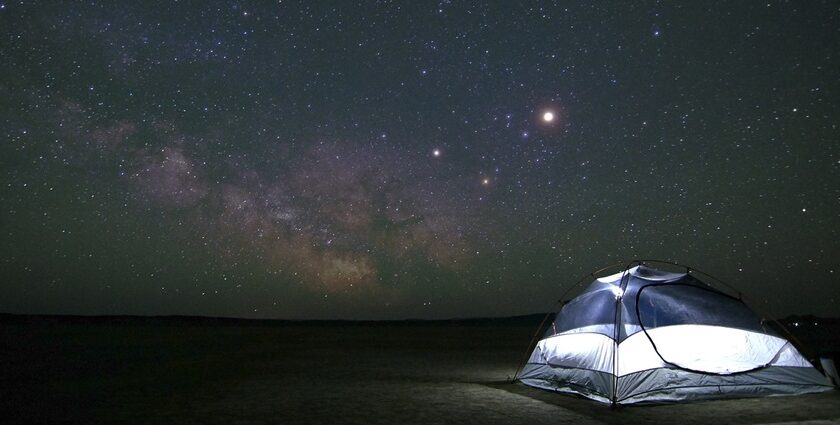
x=644, y=335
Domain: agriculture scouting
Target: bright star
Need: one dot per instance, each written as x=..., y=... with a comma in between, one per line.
x=548, y=116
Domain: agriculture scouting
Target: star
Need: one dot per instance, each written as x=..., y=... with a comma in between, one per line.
x=548, y=116
x=436, y=153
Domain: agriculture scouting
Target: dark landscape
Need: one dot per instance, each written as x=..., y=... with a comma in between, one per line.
x=60, y=369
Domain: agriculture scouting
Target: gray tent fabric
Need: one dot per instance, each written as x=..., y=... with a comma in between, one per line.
x=647, y=335
x=830, y=369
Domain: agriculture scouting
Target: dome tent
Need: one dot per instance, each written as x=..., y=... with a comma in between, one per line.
x=648, y=335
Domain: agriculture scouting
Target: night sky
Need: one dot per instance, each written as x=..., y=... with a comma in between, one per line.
x=379, y=160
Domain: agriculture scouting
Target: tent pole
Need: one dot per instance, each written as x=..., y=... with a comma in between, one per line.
x=617, y=331
x=622, y=284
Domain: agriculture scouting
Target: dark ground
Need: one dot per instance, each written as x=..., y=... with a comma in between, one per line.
x=176, y=370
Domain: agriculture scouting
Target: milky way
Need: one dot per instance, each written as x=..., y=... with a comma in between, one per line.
x=391, y=160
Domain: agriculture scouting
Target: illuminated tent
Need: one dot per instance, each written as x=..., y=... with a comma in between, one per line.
x=646, y=335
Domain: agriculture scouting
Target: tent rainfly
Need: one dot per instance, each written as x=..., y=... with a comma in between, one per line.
x=646, y=335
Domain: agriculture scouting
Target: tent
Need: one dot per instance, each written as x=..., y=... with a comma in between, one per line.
x=648, y=335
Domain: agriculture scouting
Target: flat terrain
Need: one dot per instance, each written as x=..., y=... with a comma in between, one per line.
x=174, y=371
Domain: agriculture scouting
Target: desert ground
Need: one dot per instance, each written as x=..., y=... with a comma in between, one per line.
x=185, y=371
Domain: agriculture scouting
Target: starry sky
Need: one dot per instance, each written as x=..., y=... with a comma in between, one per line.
x=387, y=160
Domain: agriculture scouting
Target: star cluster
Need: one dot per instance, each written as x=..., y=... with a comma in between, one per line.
x=340, y=159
